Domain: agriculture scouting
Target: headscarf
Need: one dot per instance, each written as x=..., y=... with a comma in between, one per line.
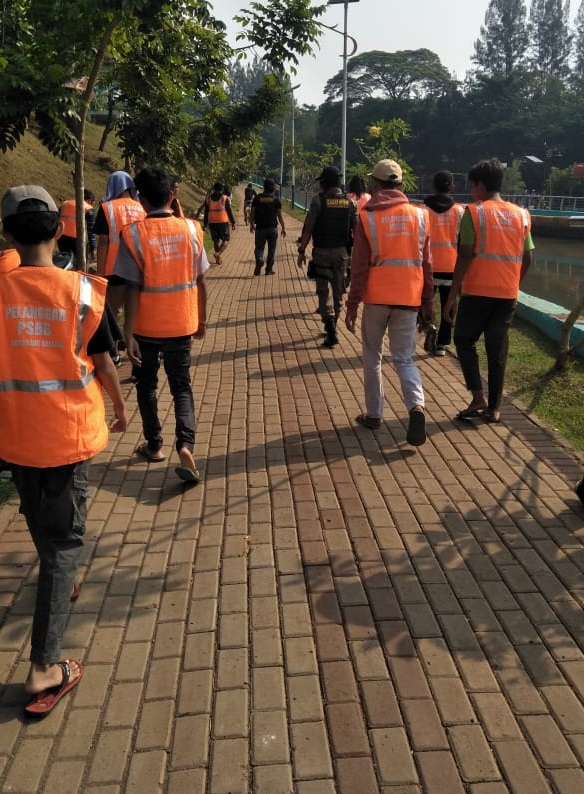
x=117, y=183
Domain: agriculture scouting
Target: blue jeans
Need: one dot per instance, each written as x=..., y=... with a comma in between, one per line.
x=265, y=235
x=176, y=358
x=54, y=503
x=400, y=324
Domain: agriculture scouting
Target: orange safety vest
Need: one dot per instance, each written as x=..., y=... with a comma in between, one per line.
x=444, y=229
x=119, y=213
x=217, y=212
x=359, y=201
x=166, y=250
x=396, y=239
x=500, y=232
x=9, y=260
x=51, y=403
x=67, y=216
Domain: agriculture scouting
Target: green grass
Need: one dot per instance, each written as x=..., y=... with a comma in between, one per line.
x=557, y=399
x=7, y=490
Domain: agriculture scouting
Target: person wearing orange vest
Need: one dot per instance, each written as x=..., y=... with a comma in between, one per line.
x=392, y=276
x=494, y=255
x=67, y=242
x=357, y=192
x=217, y=218
x=9, y=260
x=54, y=367
x=163, y=263
x=445, y=217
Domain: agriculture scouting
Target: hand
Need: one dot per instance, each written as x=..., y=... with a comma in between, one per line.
x=120, y=423
x=233, y=226
x=301, y=259
x=283, y=232
x=351, y=318
x=200, y=332
x=251, y=228
x=133, y=350
x=450, y=309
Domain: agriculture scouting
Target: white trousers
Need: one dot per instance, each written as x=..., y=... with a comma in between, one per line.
x=400, y=324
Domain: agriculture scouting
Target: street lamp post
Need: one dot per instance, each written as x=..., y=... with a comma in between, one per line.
x=345, y=3
x=292, y=170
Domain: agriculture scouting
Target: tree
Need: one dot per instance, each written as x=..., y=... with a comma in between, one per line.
x=406, y=74
x=382, y=142
x=578, y=70
x=550, y=39
x=504, y=40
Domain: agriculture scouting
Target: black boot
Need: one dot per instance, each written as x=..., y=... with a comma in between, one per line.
x=331, y=332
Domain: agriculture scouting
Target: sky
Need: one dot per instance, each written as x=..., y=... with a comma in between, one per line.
x=447, y=28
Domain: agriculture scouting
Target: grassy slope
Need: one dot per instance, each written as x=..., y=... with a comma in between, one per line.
x=31, y=163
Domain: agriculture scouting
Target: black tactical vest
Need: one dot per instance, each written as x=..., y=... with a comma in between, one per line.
x=332, y=226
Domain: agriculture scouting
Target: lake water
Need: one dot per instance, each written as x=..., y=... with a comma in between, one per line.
x=557, y=274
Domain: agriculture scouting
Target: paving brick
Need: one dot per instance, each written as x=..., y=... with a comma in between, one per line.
x=347, y=729
x=273, y=779
x=423, y=724
x=268, y=688
x=338, y=681
x=305, y=698
x=548, y=742
x=270, y=738
x=230, y=767
x=310, y=750
x=356, y=774
x=520, y=768
x=393, y=757
x=439, y=773
x=230, y=720
x=473, y=753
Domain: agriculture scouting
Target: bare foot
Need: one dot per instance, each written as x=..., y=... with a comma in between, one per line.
x=43, y=676
x=186, y=458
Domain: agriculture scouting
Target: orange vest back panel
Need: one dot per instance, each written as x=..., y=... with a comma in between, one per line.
x=51, y=405
x=119, y=213
x=217, y=212
x=166, y=250
x=9, y=260
x=500, y=232
x=67, y=216
x=444, y=229
x=396, y=239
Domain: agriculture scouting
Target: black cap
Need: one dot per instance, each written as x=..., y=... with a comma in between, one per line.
x=330, y=174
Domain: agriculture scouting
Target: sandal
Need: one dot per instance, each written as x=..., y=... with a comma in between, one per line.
x=186, y=474
x=470, y=412
x=151, y=457
x=44, y=702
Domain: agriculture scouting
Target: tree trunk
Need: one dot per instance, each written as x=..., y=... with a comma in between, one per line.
x=80, y=254
x=564, y=349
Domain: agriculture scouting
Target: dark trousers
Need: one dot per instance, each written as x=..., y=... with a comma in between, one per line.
x=445, y=328
x=492, y=317
x=54, y=503
x=265, y=235
x=176, y=359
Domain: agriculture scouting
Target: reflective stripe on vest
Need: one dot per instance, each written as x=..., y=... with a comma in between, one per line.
x=395, y=280
x=500, y=232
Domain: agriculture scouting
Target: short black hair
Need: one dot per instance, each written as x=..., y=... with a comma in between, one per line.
x=218, y=187
x=88, y=195
x=269, y=185
x=443, y=181
x=488, y=172
x=357, y=185
x=154, y=185
x=34, y=227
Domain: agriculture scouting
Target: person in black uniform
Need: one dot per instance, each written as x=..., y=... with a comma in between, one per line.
x=266, y=212
x=330, y=222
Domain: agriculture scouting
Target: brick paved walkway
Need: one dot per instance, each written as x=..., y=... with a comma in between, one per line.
x=332, y=610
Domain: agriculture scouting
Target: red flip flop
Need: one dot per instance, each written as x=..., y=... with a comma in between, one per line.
x=44, y=702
